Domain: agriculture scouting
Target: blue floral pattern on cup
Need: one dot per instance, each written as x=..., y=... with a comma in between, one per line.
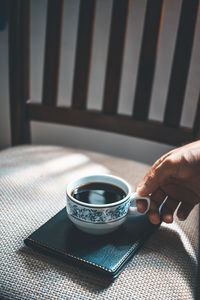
x=93, y=215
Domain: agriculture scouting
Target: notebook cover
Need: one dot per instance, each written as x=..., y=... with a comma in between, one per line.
x=107, y=254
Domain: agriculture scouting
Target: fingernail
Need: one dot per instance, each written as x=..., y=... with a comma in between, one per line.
x=140, y=209
x=140, y=188
x=168, y=218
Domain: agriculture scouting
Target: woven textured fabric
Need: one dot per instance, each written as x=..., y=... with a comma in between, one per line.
x=33, y=180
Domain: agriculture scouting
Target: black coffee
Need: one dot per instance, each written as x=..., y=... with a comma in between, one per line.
x=98, y=193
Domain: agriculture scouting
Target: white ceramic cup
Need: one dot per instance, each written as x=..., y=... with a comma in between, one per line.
x=101, y=219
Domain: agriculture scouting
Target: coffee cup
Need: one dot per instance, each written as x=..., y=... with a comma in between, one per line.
x=97, y=217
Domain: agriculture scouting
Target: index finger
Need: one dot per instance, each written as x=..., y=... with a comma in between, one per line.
x=155, y=177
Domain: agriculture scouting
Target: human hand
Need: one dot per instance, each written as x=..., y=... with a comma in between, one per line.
x=173, y=180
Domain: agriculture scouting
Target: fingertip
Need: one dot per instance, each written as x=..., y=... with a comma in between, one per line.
x=168, y=218
x=142, y=190
x=141, y=206
x=184, y=211
x=154, y=218
x=147, y=188
x=181, y=216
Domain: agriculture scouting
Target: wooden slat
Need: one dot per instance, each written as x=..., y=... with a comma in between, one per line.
x=52, y=52
x=83, y=53
x=181, y=63
x=115, y=55
x=150, y=41
x=122, y=124
x=196, y=125
x=19, y=28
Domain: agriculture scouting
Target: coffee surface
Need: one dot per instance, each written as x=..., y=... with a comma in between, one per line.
x=98, y=193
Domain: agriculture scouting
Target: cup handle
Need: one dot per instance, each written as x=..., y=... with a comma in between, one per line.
x=133, y=210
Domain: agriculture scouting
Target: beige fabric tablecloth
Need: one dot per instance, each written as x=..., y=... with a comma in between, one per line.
x=33, y=180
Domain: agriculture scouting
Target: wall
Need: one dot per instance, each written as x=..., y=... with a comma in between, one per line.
x=91, y=139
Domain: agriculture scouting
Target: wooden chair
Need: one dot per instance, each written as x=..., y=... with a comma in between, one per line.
x=34, y=177
x=24, y=110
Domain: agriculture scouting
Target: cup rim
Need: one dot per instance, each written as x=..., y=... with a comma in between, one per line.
x=97, y=206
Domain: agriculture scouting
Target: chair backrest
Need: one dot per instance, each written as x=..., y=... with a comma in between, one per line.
x=23, y=110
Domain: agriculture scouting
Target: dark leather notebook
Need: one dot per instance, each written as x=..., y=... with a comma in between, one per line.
x=107, y=254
